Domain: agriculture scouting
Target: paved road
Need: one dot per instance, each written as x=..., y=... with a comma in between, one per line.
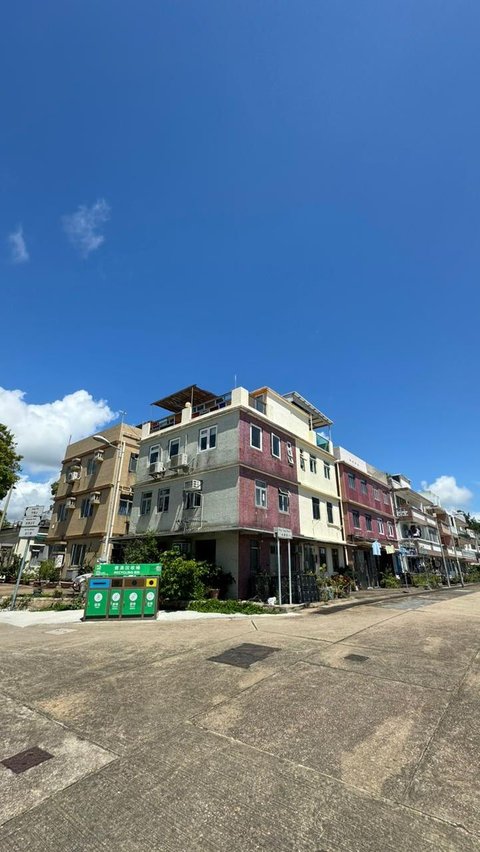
x=353, y=731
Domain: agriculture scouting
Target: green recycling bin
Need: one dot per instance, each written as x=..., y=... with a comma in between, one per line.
x=114, y=603
x=97, y=598
x=132, y=602
x=150, y=603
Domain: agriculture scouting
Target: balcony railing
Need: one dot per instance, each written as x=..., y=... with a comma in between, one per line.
x=165, y=423
x=214, y=405
x=258, y=403
x=323, y=443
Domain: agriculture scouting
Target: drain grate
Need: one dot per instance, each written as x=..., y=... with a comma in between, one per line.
x=356, y=658
x=243, y=656
x=26, y=759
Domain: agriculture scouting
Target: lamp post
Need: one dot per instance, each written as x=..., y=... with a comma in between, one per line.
x=120, y=450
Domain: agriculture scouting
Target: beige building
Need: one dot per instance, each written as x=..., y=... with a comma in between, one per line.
x=94, y=497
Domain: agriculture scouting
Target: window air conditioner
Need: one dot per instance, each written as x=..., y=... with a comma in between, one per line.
x=98, y=455
x=72, y=476
x=71, y=502
x=193, y=485
x=95, y=497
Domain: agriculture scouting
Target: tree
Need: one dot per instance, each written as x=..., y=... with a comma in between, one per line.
x=471, y=522
x=9, y=461
x=142, y=550
x=54, y=488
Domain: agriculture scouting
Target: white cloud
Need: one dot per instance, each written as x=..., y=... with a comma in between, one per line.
x=451, y=495
x=83, y=226
x=28, y=493
x=43, y=431
x=18, y=246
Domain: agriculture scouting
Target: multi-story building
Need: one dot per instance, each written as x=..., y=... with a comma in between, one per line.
x=220, y=474
x=94, y=497
x=368, y=517
x=465, y=541
x=417, y=527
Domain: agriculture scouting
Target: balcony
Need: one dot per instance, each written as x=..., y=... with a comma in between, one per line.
x=165, y=423
x=258, y=403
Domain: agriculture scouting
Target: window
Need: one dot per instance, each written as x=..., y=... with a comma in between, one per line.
x=313, y=464
x=356, y=520
x=207, y=438
x=276, y=446
x=154, y=454
x=91, y=465
x=192, y=499
x=173, y=447
x=368, y=522
x=386, y=498
x=376, y=495
x=61, y=512
x=302, y=460
x=381, y=528
x=330, y=513
x=146, y=503
x=290, y=453
x=351, y=481
x=132, y=464
x=283, y=501
x=316, y=508
x=125, y=507
x=390, y=529
x=260, y=494
x=322, y=553
x=326, y=470
x=363, y=486
x=255, y=437
x=78, y=554
x=335, y=562
x=163, y=499
x=86, y=509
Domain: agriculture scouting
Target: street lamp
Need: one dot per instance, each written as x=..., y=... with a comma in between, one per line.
x=116, y=486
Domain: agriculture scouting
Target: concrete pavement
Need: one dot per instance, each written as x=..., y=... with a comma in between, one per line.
x=350, y=730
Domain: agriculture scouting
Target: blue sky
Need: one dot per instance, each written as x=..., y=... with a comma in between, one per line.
x=285, y=191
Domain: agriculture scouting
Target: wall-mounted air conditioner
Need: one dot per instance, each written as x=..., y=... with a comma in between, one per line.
x=156, y=468
x=98, y=455
x=73, y=475
x=95, y=497
x=181, y=460
x=193, y=485
x=71, y=501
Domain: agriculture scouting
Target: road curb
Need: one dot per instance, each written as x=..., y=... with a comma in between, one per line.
x=337, y=607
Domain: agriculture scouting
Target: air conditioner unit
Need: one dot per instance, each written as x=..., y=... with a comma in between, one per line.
x=98, y=455
x=71, y=501
x=126, y=490
x=76, y=462
x=72, y=476
x=95, y=497
x=193, y=485
x=181, y=460
x=155, y=468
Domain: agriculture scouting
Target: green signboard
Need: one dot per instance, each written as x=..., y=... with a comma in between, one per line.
x=129, y=570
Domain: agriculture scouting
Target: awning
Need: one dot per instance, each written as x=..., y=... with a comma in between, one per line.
x=193, y=394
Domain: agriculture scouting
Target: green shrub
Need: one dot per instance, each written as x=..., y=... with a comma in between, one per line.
x=186, y=579
x=49, y=572
x=74, y=603
x=230, y=607
x=390, y=582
